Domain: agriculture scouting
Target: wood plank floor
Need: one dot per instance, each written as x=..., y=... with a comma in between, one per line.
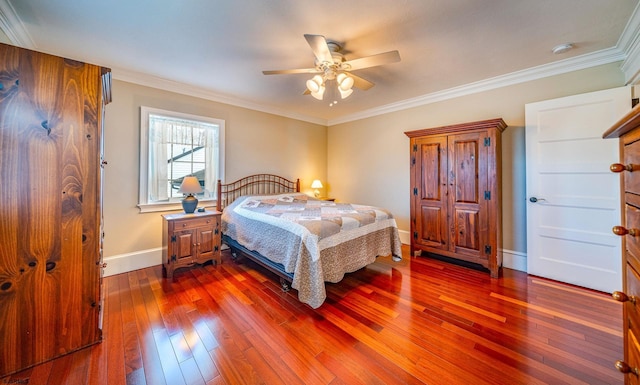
x=410, y=322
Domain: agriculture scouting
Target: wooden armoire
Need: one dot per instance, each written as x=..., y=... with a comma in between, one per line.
x=455, y=192
x=51, y=122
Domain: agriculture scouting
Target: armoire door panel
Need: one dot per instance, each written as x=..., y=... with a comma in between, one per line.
x=433, y=230
x=463, y=165
x=431, y=170
x=466, y=232
x=431, y=194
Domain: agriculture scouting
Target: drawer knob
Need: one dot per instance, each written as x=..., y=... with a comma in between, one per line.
x=622, y=297
x=619, y=167
x=620, y=230
x=623, y=367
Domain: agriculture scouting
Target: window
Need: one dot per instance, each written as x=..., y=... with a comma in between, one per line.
x=174, y=145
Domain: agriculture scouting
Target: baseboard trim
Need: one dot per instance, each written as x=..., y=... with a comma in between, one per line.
x=123, y=263
x=514, y=260
x=405, y=237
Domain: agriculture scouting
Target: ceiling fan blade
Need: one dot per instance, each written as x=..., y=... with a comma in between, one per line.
x=361, y=83
x=372, y=61
x=319, y=47
x=293, y=71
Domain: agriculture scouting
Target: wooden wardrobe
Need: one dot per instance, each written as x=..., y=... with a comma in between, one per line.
x=51, y=121
x=455, y=192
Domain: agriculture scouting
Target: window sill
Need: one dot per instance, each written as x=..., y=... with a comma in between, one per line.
x=171, y=206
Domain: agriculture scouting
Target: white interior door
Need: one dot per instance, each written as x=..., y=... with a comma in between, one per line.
x=574, y=200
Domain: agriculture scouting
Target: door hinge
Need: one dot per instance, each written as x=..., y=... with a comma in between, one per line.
x=173, y=238
x=487, y=249
x=487, y=195
x=415, y=147
x=415, y=191
x=487, y=141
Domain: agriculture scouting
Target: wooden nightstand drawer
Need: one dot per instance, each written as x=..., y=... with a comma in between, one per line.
x=193, y=223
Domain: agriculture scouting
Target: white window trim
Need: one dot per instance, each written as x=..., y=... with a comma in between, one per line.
x=143, y=205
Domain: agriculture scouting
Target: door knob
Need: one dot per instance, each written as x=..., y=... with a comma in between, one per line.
x=534, y=199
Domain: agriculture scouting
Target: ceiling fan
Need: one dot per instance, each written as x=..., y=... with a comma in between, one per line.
x=331, y=66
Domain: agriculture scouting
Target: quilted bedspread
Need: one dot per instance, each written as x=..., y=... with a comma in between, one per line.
x=317, y=241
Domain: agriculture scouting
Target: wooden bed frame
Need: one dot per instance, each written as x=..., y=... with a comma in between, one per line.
x=255, y=185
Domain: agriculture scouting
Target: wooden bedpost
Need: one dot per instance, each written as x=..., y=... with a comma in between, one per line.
x=219, y=198
x=298, y=185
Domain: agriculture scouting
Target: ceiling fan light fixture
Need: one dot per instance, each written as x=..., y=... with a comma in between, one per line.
x=344, y=93
x=319, y=93
x=345, y=82
x=314, y=84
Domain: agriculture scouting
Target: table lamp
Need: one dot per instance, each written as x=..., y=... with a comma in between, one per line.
x=316, y=184
x=190, y=185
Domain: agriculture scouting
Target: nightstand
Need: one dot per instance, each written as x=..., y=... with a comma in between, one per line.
x=188, y=239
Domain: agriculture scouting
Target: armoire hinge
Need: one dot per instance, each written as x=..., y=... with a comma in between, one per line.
x=415, y=147
x=487, y=195
x=415, y=235
x=487, y=142
x=173, y=257
x=415, y=191
x=173, y=238
x=487, y=249
x=413, y=161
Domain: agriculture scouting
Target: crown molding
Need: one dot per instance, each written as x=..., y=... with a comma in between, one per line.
x=606, y=56
x=13, y=27
x=629, y=42
x=191, y=90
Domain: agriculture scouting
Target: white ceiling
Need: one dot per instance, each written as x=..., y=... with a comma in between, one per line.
x=218, y=48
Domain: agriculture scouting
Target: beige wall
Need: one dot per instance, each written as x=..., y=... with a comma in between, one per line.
x=368, y=160
x=365, y=161
x=256, y=142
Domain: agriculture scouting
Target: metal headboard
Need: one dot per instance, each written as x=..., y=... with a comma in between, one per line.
x=254, y=185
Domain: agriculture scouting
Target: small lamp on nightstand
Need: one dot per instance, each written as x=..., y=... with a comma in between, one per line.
x=316, y=184
x=190, y=185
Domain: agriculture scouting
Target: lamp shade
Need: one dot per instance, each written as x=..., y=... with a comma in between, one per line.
x=315, y=85
x=345, y=82
x=190, y=185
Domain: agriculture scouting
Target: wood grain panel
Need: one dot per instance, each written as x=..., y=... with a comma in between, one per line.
x=50, y=141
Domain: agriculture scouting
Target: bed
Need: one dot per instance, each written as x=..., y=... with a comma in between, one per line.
x=304, y=241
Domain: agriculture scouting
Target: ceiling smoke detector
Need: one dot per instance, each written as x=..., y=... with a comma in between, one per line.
x=561, y=48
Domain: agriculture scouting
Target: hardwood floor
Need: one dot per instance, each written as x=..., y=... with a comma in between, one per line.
x=410, y=322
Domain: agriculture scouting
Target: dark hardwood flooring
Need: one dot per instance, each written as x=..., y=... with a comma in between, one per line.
x=411, y=322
